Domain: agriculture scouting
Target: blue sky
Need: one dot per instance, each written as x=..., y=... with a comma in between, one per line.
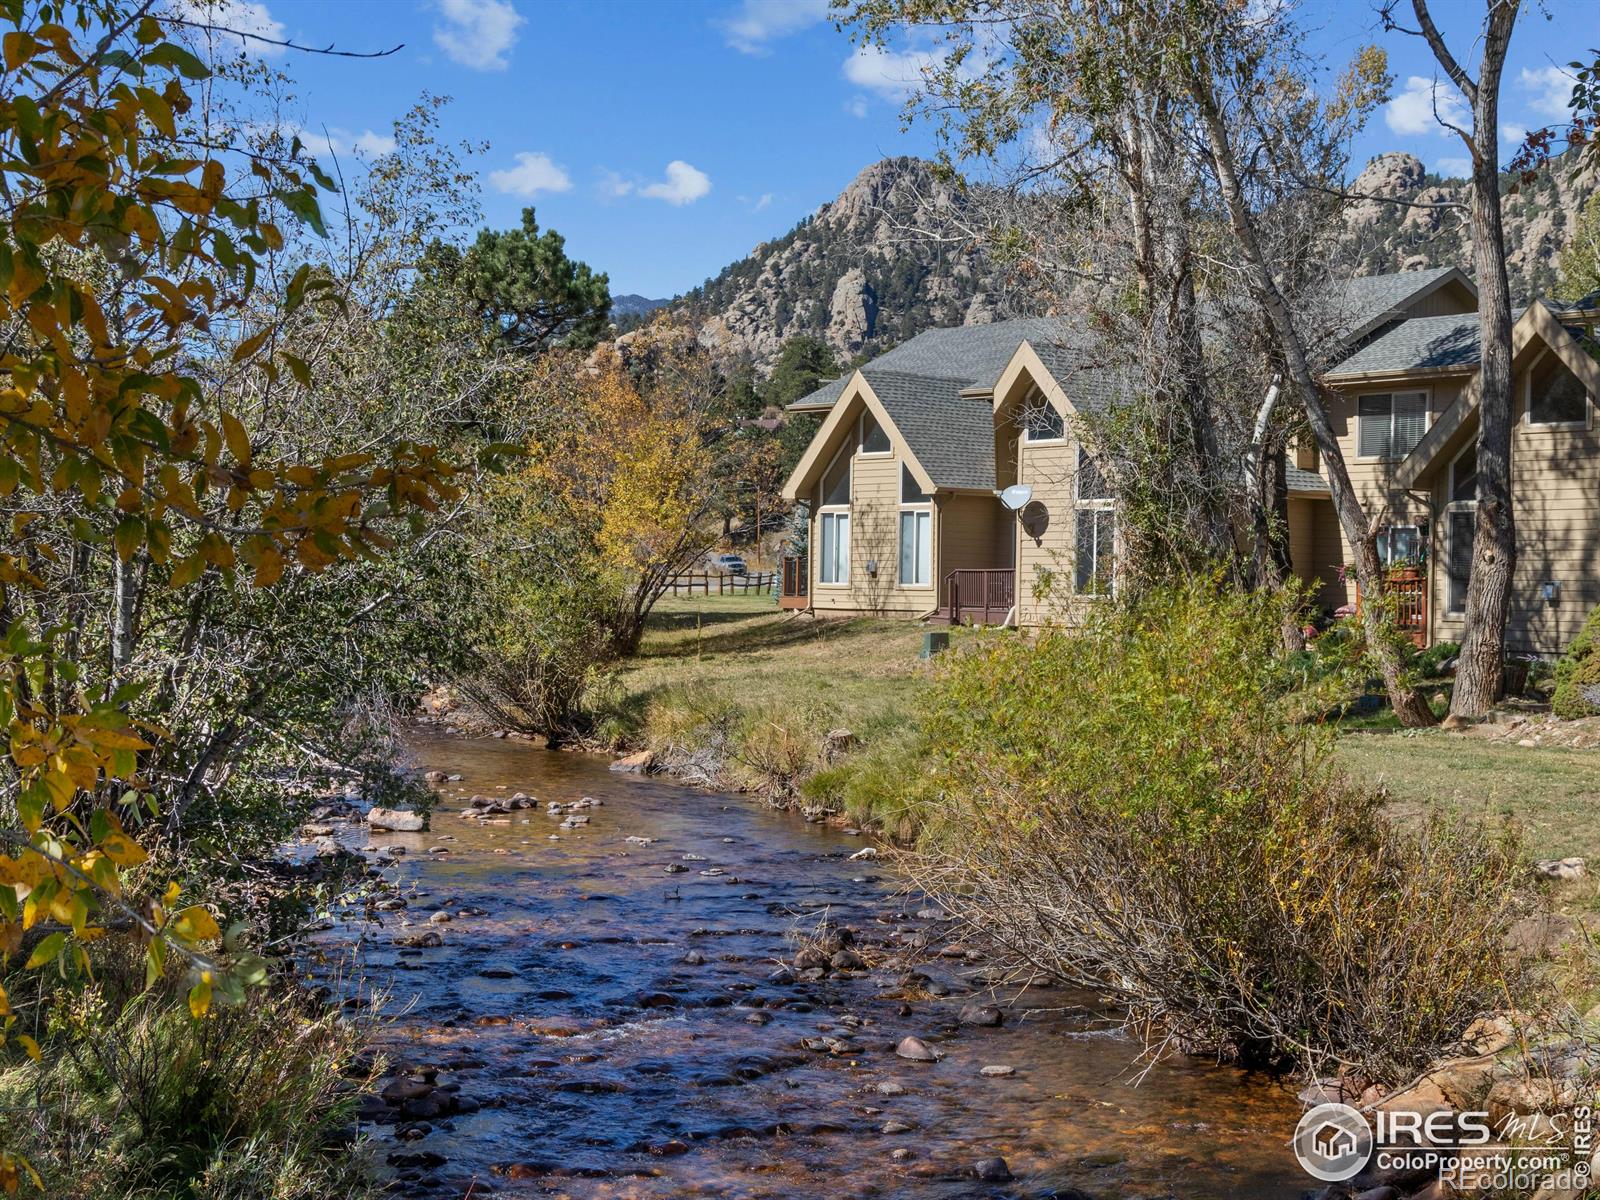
x=666, y=138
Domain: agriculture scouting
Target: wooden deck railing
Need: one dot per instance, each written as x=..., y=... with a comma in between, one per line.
x=1408, y=592
x=793, y=591
x=983, y=596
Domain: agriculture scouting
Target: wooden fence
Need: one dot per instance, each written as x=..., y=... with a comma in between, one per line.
x=761, y=582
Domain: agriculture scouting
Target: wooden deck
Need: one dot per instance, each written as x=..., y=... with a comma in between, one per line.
x=793, y=593
x=977, y=598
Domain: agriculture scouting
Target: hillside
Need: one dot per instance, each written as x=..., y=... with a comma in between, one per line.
x=856, y=275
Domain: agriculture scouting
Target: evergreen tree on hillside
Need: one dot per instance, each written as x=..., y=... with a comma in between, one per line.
x=804, y=364
x=528, y=289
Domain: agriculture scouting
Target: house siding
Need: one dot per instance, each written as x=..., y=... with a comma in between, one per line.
x=1045, y=563
x=968, y=538
x=1373, y=481
x=874, y=536
x=1556, y=501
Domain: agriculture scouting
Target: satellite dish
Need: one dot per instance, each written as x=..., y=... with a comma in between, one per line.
x=1016, y=496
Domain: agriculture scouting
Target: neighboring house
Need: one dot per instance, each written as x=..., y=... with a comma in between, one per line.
x=904, y=475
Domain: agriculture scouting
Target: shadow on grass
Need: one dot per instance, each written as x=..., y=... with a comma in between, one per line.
x=771, y=632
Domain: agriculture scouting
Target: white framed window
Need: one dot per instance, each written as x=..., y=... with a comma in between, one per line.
x=1095, y=548
x=1041, y=422
x=1399, y=544
x=833, y=564
x=1390, y=424
x=874, y=440
x=1553, y=396
x=916, y=547
x=1091, y=483
x=1460, y=528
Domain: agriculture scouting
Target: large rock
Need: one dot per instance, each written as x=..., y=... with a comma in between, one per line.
x=917, y=1050
x=400, y=820
x=853, y=312
x=635, y=764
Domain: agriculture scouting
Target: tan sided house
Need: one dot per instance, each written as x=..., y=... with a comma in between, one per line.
x=905, y=475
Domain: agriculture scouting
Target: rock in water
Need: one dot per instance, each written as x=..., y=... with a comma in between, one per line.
x=398, y=819
x=916, y=1050
x=981, y=1015
x=992, y=1170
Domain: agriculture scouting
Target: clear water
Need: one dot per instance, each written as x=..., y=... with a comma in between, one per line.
x=534, y=1010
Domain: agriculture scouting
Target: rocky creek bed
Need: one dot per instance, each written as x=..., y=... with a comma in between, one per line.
x=665, y=992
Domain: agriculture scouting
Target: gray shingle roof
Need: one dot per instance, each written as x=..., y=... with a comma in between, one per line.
x=951, y=435
x=975, y=354
x=1422, y=343
x=1361, y=304
x=1305, y=481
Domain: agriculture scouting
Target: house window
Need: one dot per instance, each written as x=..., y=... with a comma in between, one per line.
x=1460, y=532
x=834, y=563
x=910, y=491
x=1464, y=477
x=1091, y=484
x=836, y=483
x=1096, y=551
x=873, y=439
x=1041, y=422
x=1399, y=544
x=916, y=547
x=1555, y=395
x=1390, y=424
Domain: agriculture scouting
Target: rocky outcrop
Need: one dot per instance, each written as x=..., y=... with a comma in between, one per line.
x=1431, y=228
x=852, y=312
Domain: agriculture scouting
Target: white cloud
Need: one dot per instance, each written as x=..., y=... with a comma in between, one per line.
x=887, y=72
x=341, y=143
x=1551, y=88
x=764, y=202
x=683, y=185
x=241, y=16
x=757, y=23
x=1453, y=168
x=856, y=106
x=534, y=173
x=477, y=33
x=613, y=186
x=1511, y=134
x=1412, y=111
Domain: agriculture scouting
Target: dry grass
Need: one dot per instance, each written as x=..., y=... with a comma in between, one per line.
x=1553, y=793
x=855, y=672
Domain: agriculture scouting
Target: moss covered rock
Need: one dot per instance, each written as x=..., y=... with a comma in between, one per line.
x=1578, y=673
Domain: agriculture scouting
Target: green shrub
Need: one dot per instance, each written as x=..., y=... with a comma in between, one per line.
x=134, y=1097
x=1429, y=663
x=1578, y=673
x=1138, y=806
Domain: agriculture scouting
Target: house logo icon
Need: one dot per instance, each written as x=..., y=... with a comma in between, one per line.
x=1333, y=1142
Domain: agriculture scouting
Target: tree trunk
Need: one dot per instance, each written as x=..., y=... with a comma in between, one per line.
x=1409, y=705
x=1480, y=673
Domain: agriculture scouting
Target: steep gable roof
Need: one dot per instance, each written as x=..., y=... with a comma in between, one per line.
x=951, y=435
x=1420, y=344
x=1365, y=303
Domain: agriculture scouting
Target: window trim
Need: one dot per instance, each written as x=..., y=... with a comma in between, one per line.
x=1427, y=420
x=1385, y=539
x=1078, y=497
x=1455, y=506
x=861, y=436
x=925, y=506
x=1527, y=398
x=1096, y=507
x=834, y=511
x=843, y=454
x=1027, y=403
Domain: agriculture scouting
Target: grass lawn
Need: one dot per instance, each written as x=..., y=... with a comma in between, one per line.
x=851, y=672
x=1552, y=792
x=862, y=674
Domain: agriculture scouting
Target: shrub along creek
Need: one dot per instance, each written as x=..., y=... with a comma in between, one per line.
x=668, y=992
